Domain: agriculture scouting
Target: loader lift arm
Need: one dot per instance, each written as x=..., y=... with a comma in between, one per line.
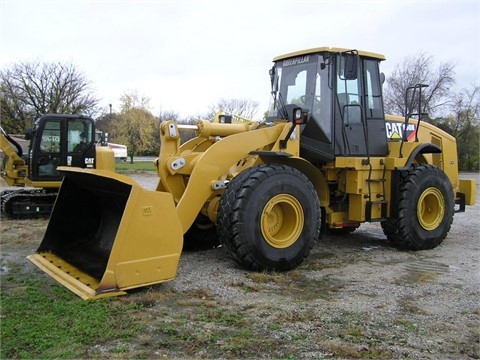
x=192, y=177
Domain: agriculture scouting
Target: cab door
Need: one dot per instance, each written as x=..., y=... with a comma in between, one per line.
x=46, y=150
x=80, y=144
x=360, y=120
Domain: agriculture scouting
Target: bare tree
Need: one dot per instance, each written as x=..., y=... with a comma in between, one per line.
x=463, y=122
x=34, y=88
x=414, y=70
x=243, y=107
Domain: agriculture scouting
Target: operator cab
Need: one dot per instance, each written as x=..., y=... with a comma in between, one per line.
x=342, y=92
x=61, y=140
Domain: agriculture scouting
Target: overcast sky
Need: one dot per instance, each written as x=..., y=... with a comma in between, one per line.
x=186, y=55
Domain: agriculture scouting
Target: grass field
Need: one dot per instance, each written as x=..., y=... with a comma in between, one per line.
x=40, y=319
x=136, y=166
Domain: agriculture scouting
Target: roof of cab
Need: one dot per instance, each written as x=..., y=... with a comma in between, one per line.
x=328, y=49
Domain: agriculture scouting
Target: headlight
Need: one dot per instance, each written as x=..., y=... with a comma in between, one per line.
x=299, y=116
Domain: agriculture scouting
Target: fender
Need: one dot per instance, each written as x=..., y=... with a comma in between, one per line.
x=426, y=148
x=305, y=167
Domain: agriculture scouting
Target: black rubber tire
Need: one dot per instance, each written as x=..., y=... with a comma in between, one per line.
x=269, y=218
x=425, y=209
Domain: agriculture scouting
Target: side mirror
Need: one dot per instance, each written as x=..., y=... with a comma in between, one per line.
x=29, y=134
x=273, y=79
x=271, y=72
x=350, y=69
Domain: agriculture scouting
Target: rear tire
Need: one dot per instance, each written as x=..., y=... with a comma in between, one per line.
x=269, y=218
x=425, y=209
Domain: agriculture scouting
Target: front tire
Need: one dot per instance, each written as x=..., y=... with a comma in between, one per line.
x=269, y=218
x=425, y=209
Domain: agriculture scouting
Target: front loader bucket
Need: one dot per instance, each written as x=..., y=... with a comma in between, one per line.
x=107, y=234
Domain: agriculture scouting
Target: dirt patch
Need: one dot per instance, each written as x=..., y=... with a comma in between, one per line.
x=356, y=296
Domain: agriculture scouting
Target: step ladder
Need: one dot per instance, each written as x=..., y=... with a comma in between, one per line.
x=369, y=205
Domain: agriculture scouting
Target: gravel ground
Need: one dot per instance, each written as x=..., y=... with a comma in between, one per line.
x=356, y=296
x=425, y=302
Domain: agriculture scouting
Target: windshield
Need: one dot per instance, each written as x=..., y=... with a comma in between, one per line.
x=302, y=81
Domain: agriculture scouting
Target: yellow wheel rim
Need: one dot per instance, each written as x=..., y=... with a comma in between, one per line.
x=282, y=221
x=430, y=208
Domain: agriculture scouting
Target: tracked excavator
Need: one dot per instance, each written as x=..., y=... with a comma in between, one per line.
x=33, y=179
x=326, y=158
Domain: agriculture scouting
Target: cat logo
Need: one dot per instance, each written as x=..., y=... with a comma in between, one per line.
x=89, y=162
x=396, y=130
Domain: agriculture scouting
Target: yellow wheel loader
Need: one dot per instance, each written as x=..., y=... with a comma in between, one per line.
x=55, y=140
x=326, y=158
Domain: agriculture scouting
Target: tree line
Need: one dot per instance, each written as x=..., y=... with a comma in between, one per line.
x=32, y=88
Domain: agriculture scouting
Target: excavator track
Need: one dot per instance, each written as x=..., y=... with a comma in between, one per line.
x=27, y=203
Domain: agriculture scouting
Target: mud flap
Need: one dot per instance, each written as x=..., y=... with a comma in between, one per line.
x=107, y=234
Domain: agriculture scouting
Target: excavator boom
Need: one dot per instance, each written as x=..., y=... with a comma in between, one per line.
x=16, y=169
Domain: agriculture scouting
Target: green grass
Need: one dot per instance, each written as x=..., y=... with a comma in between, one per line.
x=136, y=166
x=41, y=319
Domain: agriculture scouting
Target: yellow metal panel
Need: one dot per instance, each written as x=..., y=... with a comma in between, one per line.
x=105, y=158
x=146, y=271
x=148, y=243
x=354, y=183
x=337, y=218
x=46, y=184
x=427, y=133
x=356, y=209
x=468, y=187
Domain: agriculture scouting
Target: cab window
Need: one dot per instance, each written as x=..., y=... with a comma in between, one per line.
x=373, y=90
x=80, y=135
x=296, y=91
x=50, y=141
x=349, y=95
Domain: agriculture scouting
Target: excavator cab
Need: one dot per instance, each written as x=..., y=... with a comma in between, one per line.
x=55, y=140
x=61, y=140
x=342, y=93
